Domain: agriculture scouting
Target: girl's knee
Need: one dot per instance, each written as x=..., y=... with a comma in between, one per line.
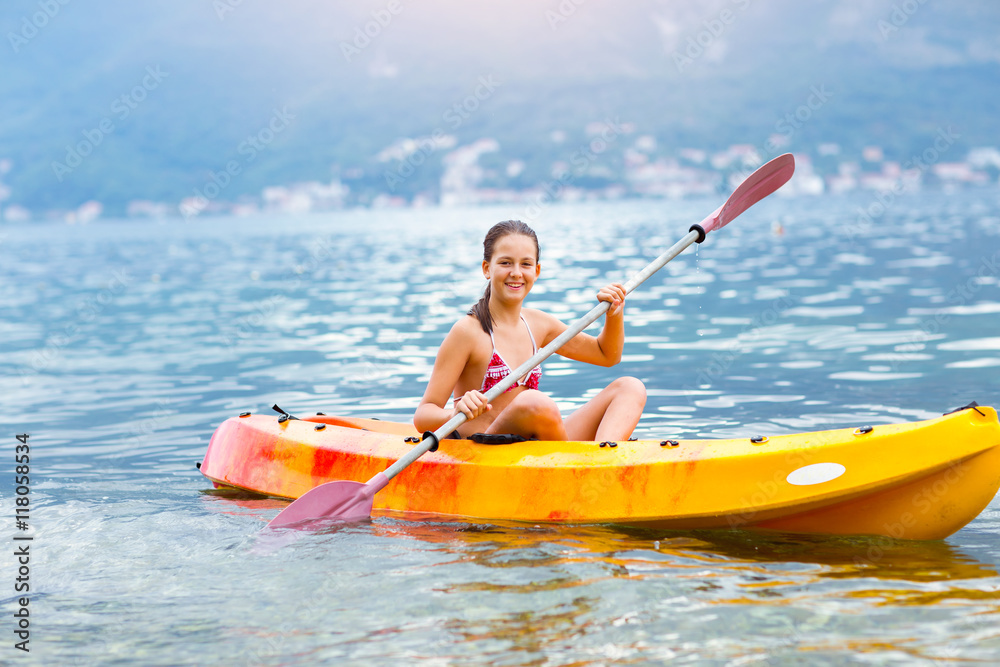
x=537, y=405
x=538, y=415
x=631, y=387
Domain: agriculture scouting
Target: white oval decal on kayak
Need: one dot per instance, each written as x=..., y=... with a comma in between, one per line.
x=816, y=473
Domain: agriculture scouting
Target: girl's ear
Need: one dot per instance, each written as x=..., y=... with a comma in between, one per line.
x=486, y=269
x=538, y=270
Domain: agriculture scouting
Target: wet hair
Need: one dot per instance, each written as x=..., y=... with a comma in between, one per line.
x=481, y=311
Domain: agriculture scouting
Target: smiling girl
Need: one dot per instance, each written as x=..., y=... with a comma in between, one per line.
x=499, y=334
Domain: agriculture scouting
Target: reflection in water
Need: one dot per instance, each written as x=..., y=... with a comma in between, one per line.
x=531, y=632
x=243, y=503
x=710, y=579
x=639, y=553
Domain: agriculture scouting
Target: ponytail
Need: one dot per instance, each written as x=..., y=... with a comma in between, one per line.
x=481, y=311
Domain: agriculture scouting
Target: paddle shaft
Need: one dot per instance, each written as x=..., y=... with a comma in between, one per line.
x=541, y=355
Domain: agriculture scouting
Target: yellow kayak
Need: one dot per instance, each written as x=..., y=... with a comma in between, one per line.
x=921, y=480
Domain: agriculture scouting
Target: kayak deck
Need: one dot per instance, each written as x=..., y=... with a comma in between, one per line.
x=919, y=480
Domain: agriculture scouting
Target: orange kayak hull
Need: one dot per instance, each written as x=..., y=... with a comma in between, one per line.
x=919, y=480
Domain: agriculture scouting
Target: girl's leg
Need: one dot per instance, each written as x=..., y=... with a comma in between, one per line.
x=611, y=415
x=531, y=414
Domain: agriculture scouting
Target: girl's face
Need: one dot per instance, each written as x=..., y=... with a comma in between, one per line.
x=513, y=268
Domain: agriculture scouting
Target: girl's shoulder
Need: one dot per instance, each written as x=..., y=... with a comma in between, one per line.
x=464, y=339
x=466, y=329
x=539, y=320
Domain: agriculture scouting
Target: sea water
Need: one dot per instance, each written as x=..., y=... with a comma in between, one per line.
x=124, y=344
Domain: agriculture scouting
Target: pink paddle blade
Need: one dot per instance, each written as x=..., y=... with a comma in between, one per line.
x=334, y=501
x=761, y=183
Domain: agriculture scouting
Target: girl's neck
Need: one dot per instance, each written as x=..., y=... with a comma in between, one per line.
x=505, y=314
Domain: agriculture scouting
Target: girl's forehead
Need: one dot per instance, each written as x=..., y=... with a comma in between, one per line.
x=514, y=245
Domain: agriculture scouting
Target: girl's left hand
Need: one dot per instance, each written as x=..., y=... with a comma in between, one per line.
x=615, y=295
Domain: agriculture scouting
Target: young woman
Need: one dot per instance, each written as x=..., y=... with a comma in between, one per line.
x=499, y=334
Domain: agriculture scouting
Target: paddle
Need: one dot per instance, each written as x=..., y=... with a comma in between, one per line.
x=352, y=501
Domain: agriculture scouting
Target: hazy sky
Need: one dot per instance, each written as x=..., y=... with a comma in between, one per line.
x=364, y=74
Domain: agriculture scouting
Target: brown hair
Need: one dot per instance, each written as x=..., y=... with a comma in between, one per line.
x=481, y=311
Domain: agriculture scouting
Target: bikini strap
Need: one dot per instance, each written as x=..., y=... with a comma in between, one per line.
x=534, y=345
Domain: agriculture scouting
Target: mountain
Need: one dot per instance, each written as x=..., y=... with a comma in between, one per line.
x=159, y=102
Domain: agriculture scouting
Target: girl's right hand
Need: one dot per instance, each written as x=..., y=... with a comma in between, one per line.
x=472, y=404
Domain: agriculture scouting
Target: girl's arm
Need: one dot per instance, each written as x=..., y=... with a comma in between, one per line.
x=606, y=348
x=449, y=365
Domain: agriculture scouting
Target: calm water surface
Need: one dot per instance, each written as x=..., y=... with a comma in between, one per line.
x=123, y=346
